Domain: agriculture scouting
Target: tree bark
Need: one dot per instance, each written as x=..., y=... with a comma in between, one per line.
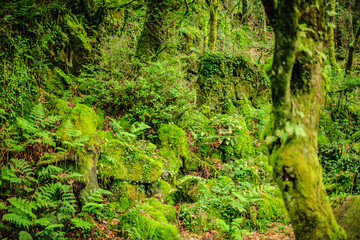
x=244, y=12
x=351, y=52
x=297, y=95
x=154, y=33
x=213, y=25
x=331, y=44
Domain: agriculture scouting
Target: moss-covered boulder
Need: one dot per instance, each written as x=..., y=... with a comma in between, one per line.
x=81, y=127
x=78, y=38
x=56, y=81
x=174, y=148
x=224, y=79
x=58, y=106
x=127, y=163
x=162, y=190
x=150, y=220
x=126, y=194
x=81, y=118
x=225, y=137
x=190, y=189
x=347, y=215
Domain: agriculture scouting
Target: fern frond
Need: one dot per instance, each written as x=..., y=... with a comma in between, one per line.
x=23, y=205
x=23, y=235
x=48, y=172
x=17, y=220
x=42, y=222
x=3, y=206
x=80, y=223
x=50, y=120
x=22, y=166
x=70, y=131
x=52, y=227
x=38, y=114
x=26, y=125
x=76, y=176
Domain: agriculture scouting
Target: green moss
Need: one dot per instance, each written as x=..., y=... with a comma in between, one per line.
x=190, y=188
x=323, y=141
x=272, y=209
x=58, y=106
x=78, y=37
x=126, y=194
x=224, y=79
x=355, y=137
x=174, y=147
x=127, y=163
x=227, y=134
x=348, y=216
x=56, y=81
x=163, y=191
x=83, y=119
x=167, y=210
x=150, y=221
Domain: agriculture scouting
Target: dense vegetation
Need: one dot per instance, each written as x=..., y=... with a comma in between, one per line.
x=162, y=119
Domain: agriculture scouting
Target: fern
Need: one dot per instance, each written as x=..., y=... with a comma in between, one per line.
x=76, y=176
x=24, y=206
x=38, y=114
x=49, y=172
x=93, y=201
x=42, y=222
x=34, y=127
x=80, y=223
x=23, y=235
x=17, y=219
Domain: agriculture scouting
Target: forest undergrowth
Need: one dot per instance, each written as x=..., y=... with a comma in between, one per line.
x=99, y=143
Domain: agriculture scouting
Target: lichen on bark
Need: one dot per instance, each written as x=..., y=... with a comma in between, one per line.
x=297, y=96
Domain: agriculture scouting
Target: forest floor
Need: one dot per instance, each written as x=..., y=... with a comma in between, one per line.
x=275, y=232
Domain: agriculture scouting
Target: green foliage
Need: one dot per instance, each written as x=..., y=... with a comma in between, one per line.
x=94, y=202
x=35, y=129
x=152, y=98
x=46, y=206
x=226, y=133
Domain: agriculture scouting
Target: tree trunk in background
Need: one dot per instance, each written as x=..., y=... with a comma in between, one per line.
x=154, y=34
x=351, y=52
x=297, y=95
x=245, y=12
x=213, y=25
x=356, y=15
x=331, y=44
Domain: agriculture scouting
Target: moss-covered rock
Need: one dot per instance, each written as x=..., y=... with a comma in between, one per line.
x=78, y=38
x=224, y=79
x=127, y=163
x=347, y=215
x=126, y=194
x=190, y=188
x=56, y=81
x=227, y=134
x=174, y=148
x=150, y=220
x=163, y=191
x=58, y=106
x=82, y=118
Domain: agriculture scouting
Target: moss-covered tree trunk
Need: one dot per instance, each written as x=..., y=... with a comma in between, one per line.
x=331, y=44
x=213, y=24
x=154, y=33
x=351, y=52
x=297, y=95
x=244, y=12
